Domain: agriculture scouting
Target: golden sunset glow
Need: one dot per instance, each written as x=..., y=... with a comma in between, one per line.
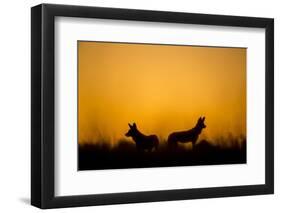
x=162, y=88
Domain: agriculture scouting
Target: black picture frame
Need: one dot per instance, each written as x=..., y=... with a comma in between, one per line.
x=43, y=102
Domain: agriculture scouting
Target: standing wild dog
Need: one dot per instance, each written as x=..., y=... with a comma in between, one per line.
x=143, y=142
x=187, y=136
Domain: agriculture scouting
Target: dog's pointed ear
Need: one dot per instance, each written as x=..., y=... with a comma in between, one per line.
x=199, y=119
x=130, y=125
x=134, y=125
x=203, y=119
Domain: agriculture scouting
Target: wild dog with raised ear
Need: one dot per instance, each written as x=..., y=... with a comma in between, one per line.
x=143, y=142
x=187, y=136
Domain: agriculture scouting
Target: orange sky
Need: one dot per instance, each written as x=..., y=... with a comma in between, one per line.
x=163, y=88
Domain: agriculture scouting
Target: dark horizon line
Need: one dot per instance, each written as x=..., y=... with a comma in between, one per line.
x=160, y=44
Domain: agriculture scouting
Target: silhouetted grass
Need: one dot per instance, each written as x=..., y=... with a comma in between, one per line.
x=124, y=154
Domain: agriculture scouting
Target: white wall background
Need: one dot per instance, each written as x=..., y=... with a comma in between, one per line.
x=15, y=106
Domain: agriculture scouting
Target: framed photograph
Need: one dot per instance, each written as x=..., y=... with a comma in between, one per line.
x=140, y=106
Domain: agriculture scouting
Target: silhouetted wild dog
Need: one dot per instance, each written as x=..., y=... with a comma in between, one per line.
x=143, y=142
x=187, y=136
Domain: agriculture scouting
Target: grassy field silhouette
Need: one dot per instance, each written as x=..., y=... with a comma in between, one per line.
x=97, y=156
